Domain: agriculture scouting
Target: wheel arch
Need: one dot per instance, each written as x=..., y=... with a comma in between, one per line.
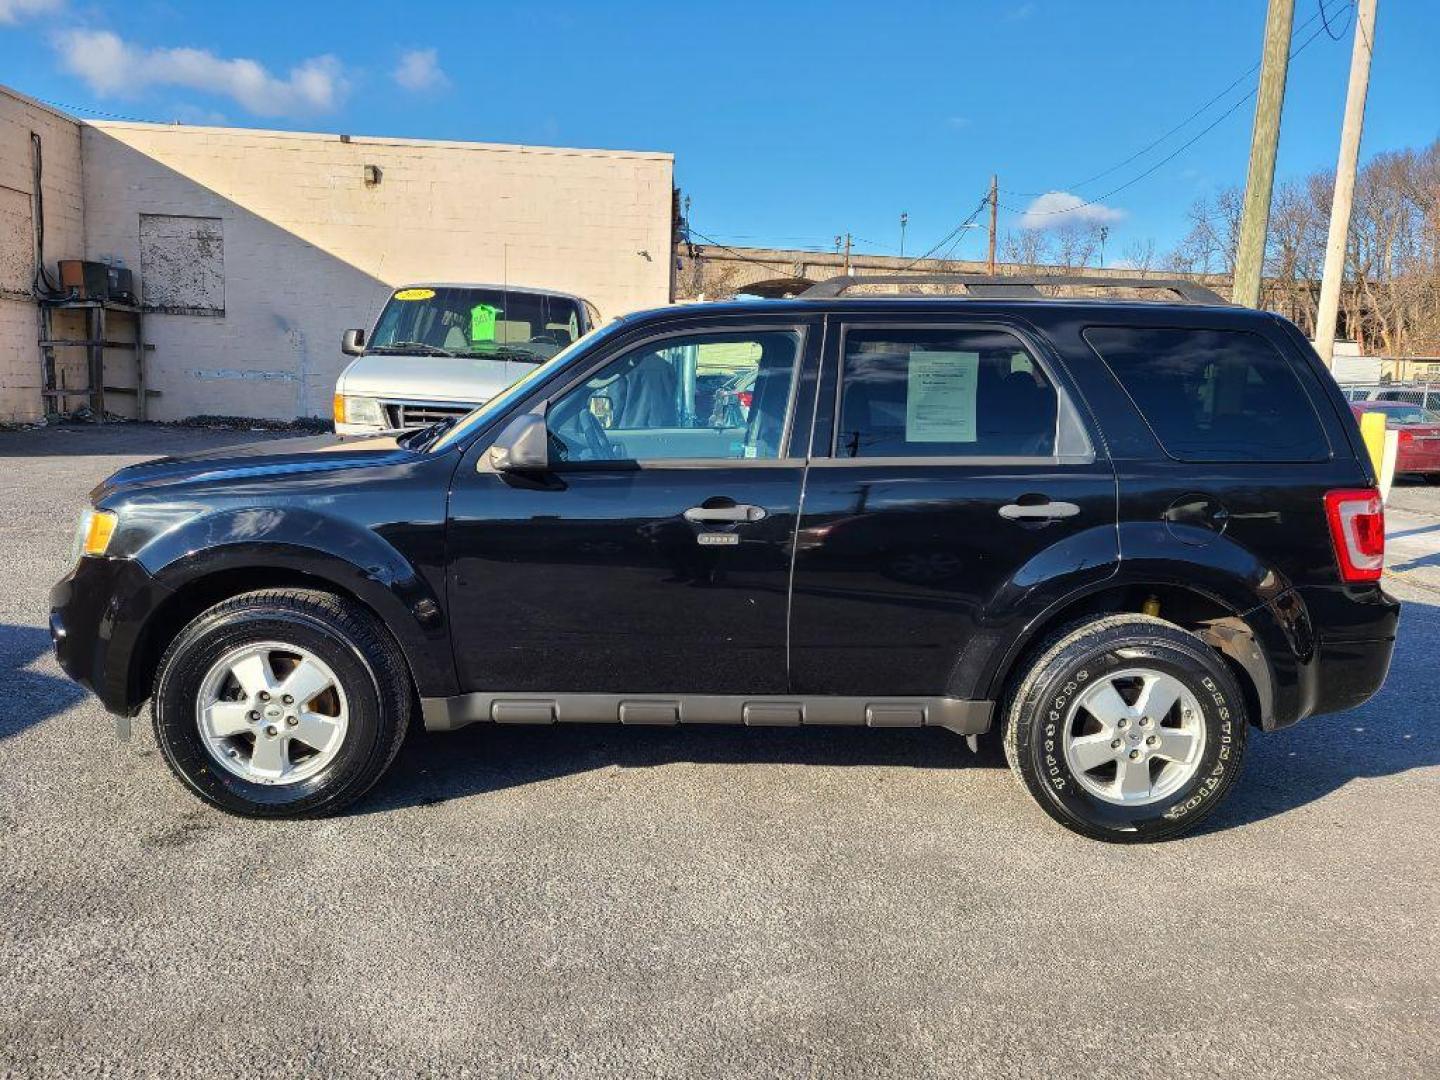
x=194, y=590
x=1214, y=620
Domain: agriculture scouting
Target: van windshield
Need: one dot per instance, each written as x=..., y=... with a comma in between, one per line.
x=502, y=402
x=459, y=320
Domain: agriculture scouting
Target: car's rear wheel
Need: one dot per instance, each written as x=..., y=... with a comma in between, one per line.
x=1127, y=728
x=281, y=703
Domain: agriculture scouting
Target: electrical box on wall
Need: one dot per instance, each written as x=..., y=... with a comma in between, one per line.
x=97, y=281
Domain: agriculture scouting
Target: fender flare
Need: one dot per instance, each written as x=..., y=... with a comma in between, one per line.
x=351, y=560
x=1266, y=629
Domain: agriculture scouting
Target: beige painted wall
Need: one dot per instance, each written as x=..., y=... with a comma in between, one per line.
x=310, y=249
x=20, y=377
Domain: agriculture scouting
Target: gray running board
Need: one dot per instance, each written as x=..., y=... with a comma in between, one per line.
x=961, y=717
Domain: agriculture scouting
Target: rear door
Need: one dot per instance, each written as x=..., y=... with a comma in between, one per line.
x=951, y=474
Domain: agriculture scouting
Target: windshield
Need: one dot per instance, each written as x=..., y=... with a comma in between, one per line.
x=457, y=320
x=502, y=402
x=1409, y=414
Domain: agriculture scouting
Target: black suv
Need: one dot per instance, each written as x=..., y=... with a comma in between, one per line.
x=1116, y=533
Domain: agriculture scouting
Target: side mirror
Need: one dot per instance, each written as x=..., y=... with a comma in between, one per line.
x=524, y=446
x=352, y=342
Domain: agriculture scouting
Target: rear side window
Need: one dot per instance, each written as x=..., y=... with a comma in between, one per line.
x=1213, y=395
x=943, y=392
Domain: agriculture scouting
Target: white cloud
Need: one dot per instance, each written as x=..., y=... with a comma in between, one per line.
x=12, y=11
x=419, y=69
x=1057, y=208
x=112, y=66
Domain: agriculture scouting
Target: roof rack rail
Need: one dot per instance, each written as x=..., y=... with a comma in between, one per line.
x=1022, y=287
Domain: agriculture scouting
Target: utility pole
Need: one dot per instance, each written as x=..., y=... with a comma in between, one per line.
x=847, y=253
x=904, y=220
x=1264, y=140
x=1340, y=206
x=994, y=213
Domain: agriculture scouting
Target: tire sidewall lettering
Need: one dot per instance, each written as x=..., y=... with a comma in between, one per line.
x=1213, y=774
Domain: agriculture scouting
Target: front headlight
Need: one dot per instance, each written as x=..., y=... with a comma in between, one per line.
x=92, y=536
x=364, y=411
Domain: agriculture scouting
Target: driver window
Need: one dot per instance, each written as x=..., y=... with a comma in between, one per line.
x=702, y=395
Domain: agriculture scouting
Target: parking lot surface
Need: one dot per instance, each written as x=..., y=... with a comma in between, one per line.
x=738, y=902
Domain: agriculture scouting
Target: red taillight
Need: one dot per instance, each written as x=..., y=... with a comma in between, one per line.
x=745, y=396
x=1357, y=529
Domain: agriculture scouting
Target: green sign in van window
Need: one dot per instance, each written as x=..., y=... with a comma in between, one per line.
x=482, y=322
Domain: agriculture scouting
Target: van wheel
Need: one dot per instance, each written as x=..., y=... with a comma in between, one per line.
x=1127, y=729
x=282, y=703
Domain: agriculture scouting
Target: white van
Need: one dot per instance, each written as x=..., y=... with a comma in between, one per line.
x=439, y=350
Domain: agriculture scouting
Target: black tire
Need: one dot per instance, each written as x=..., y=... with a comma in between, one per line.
x=351, y=641
x=1041, y=704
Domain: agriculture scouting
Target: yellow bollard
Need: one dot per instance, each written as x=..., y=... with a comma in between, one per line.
x=1372, y=429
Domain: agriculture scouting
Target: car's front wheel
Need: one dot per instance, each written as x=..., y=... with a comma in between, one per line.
x=1127, y=728
x=281, y=703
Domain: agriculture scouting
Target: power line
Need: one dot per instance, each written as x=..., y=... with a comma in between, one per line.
x=1168, y=158
x=692, y=231
x=958, y=230
x=1347, y=4
x=1326, y=20
x=96, y=112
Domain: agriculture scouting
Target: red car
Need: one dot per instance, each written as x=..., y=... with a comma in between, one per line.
x=1419, y=449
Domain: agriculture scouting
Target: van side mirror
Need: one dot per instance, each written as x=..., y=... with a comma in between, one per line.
x=523, y=447
x=352, y=342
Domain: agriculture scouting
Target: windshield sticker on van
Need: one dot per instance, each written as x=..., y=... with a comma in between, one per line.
x=482, y=322
x=415, y=294
x=940, y=396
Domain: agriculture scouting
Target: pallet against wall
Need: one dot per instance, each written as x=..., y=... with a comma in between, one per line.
x=95, y=341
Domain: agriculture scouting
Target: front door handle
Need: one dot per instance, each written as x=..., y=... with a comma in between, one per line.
x=1046, y=511
x=738, y=512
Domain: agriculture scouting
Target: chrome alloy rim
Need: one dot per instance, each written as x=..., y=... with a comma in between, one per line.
x=271, y=713
x=1134, y=737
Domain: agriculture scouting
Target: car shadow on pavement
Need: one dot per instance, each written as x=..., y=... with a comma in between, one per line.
x=484, y=758
x=1394, y=732
x=31, y=696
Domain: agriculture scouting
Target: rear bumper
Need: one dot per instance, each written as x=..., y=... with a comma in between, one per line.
x=1332, y=669
x=1351, y=672
x=97, y=612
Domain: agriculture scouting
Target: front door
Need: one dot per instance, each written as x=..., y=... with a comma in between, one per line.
x=654, y=556
x=952, y=477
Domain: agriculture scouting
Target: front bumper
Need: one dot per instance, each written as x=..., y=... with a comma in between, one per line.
x=98, y=613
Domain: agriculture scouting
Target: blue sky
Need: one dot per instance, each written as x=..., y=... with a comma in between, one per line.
x=790, y=122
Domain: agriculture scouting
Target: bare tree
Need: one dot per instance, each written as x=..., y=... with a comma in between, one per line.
x=1076, y=244
x=1028, y=250
x=1390, y=302
x=1140, y=255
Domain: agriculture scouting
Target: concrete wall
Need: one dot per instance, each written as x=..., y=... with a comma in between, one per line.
x=20, y=371
x=265, y=245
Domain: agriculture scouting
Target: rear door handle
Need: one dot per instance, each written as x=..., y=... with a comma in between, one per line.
x=1046, y=511
x=736, y=513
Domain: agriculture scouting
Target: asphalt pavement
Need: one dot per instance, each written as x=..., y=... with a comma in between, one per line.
x=700, y=903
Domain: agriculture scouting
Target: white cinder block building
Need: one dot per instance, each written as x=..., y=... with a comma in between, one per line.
x=253, y=250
